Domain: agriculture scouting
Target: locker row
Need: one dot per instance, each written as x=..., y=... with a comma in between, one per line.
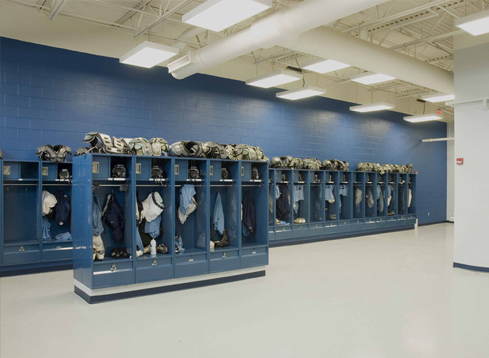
x=305, y=204
x=200, y=201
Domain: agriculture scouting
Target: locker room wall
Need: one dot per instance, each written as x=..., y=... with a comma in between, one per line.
x=55, y=96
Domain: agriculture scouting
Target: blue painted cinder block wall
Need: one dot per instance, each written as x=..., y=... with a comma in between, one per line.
x=54, y=96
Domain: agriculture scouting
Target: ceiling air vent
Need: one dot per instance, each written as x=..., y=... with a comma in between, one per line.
x=181, y=62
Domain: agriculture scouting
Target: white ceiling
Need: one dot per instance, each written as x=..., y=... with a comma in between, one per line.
x=423, y=29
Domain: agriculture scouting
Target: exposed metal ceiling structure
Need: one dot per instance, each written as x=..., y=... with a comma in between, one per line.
x=422, y=29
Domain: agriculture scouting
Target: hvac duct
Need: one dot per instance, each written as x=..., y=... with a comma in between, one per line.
x=327, y=43
x=281, y=26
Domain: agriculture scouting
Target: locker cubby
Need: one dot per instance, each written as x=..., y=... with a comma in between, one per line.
x=316, y=195
x=331, y=196
x=283, y=204
x=382, y=195
x=144, y=166
x=300, y=208
x=402, y=191
x=358, y=195
x=183, y=166
x=392, y=196
x=21, y=171
x=21, y=204
x=245, y=171
x=345, y=187
x=231, y=211
x=193, y=231
x=50, y=172
x=56, y=228
x=215, y=171
x=258, y=194
x=411, y=195
x=271, y=202
x=370, y=195
x=142, y=192
x=124, y=200
x=232, y=168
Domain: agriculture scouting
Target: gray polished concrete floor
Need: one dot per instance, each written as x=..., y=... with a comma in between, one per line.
x=390, y=295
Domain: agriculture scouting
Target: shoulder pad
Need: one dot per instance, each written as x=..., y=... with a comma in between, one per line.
x=82, y=151
x=61, y=151
x=46, y=152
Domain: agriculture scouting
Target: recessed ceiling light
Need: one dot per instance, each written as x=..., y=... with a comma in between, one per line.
x=424, y=117
x=300, y=93
x=379, y=106
x=149, y=54
x=217, y=15
x=324, y=66
x=370, y=78
x=273, y=79
x=438, y=97
x=475, y=24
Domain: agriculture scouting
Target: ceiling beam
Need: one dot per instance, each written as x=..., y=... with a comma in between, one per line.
x=56, y=8
x=131, y=13
x=163, y=17
x=396, y=16
x=427, y=39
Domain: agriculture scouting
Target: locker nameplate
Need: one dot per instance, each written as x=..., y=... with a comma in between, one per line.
x=211, y=170
x=177, y=169
x=6, y=170
x=138, y=168
x=95, y=167
x=45, y=171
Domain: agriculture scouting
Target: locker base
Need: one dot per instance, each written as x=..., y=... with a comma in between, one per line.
x=178, y=284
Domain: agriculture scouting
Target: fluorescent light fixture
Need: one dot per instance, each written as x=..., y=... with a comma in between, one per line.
x=370, y=78
x=438, y=97
x=324, y=66
x=273, y=79
x=149, y=54
x=424, y=117
x=475, y=24
x=300, y=93
x=379, y=106
x=217, y=15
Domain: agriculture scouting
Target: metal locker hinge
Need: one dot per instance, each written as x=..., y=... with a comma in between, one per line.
x=154, y=263
x=22, y=248
x=113, y=268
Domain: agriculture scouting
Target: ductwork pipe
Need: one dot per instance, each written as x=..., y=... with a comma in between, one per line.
x=281, y=26
x=330, y=44
x=187, y=35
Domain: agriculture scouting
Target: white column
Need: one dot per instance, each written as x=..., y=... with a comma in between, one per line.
x=472, y=144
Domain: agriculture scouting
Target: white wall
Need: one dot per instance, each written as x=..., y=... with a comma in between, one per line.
x=472, y=144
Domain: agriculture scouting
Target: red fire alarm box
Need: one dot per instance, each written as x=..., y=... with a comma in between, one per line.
x=460, y=161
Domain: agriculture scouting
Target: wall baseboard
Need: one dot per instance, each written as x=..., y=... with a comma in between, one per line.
x=436, y=223
x=470, y=267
